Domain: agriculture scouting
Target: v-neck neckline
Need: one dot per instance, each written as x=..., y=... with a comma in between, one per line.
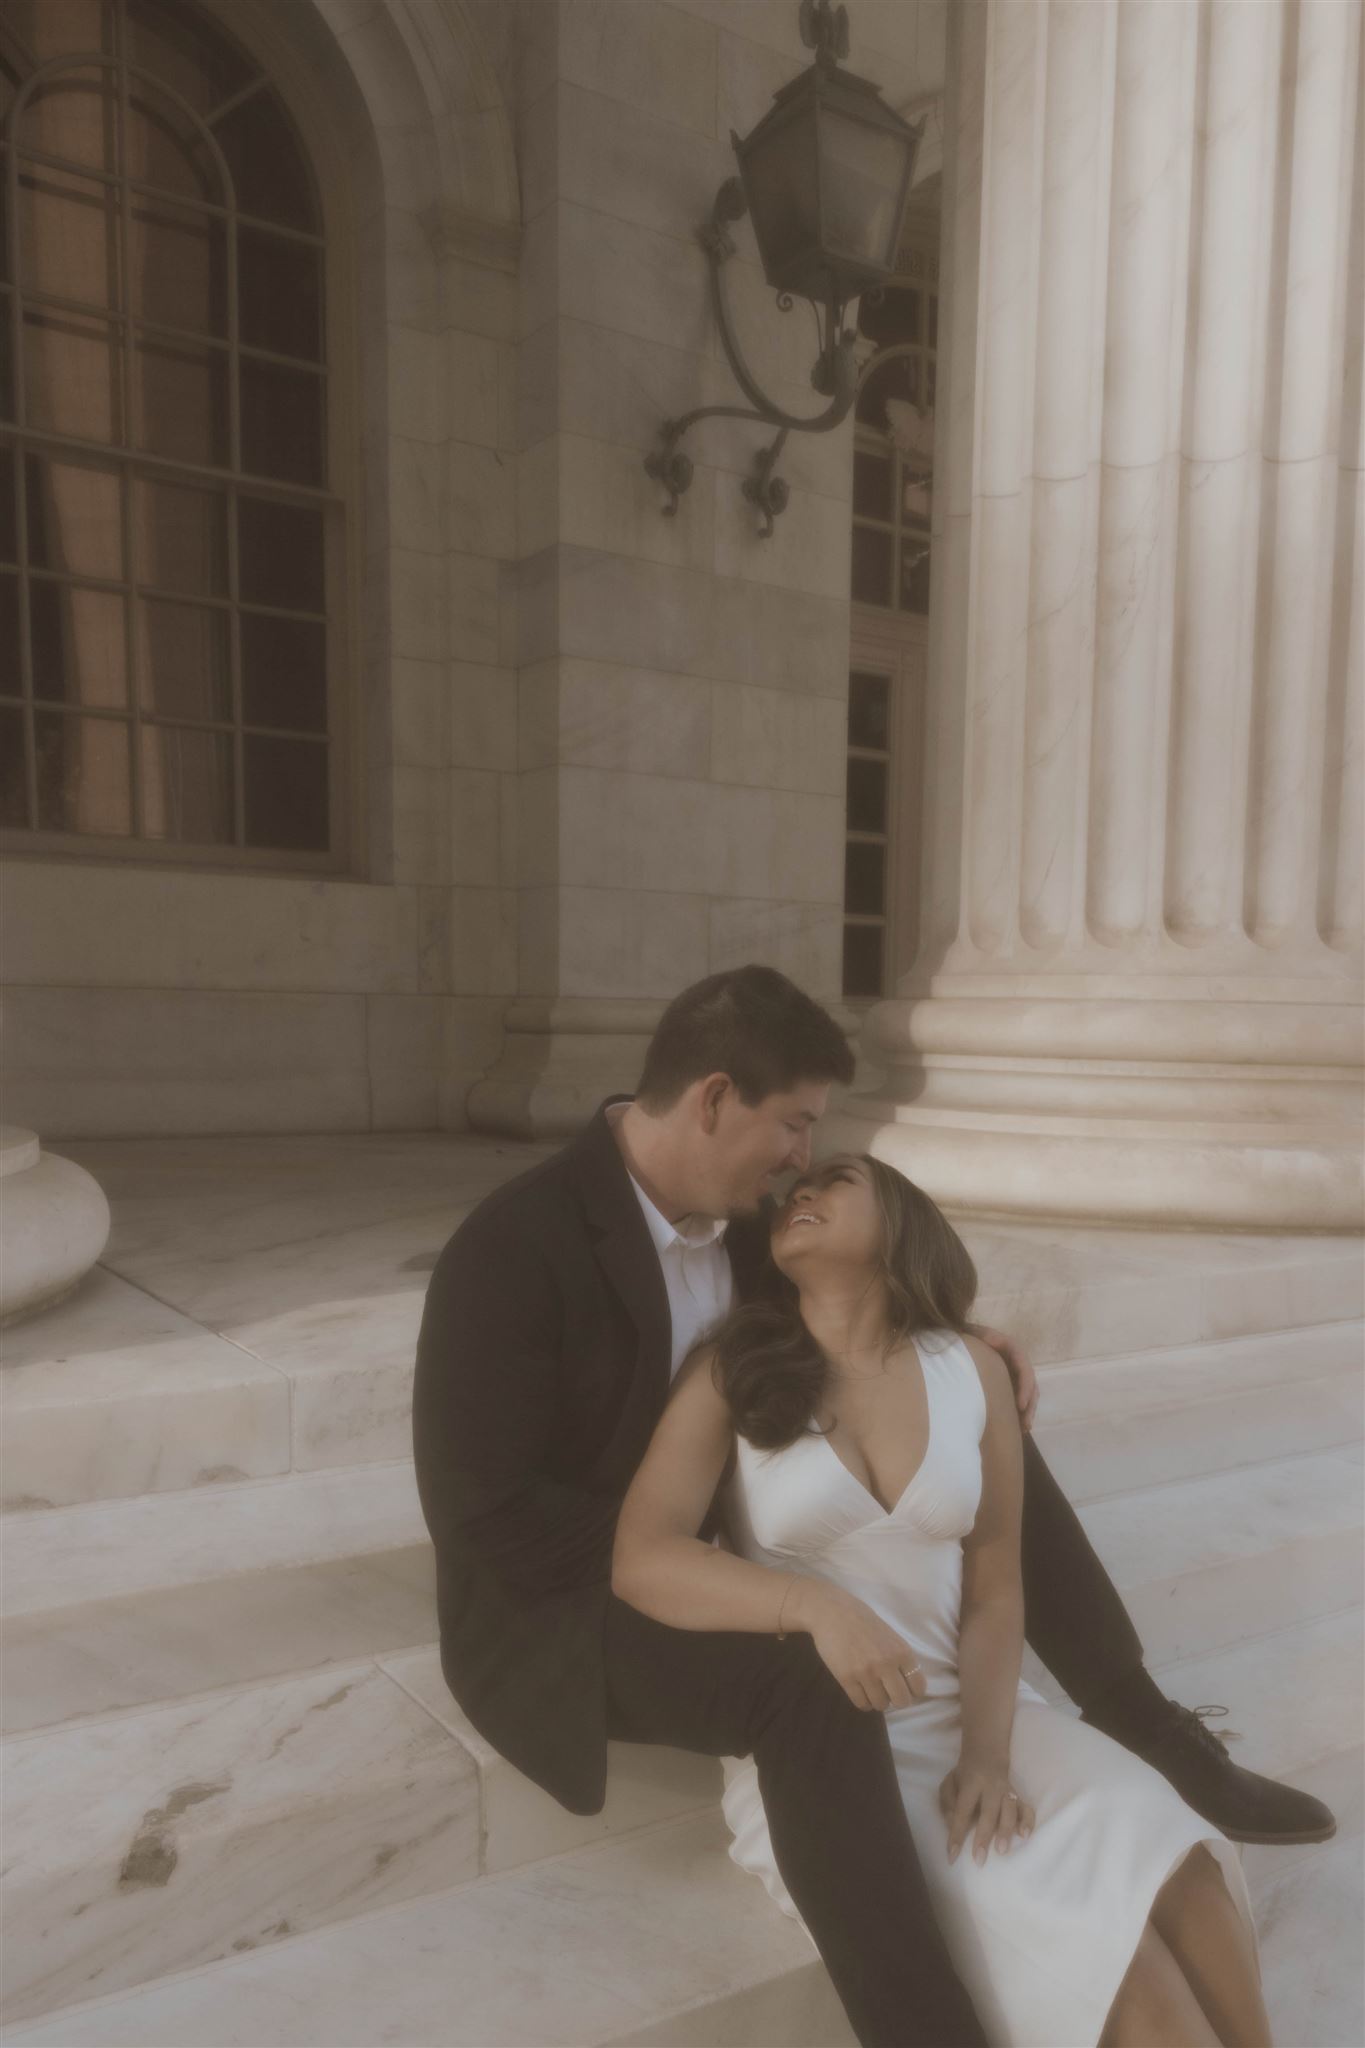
x=888, y=1513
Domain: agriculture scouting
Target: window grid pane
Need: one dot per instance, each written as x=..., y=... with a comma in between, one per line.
x=893, y=458
x=867, y=833
x=163, y=634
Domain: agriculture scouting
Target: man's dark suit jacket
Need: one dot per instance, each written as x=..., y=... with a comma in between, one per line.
x=542, y=1368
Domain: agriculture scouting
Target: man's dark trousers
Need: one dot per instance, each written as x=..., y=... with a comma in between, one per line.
x=543, y=1365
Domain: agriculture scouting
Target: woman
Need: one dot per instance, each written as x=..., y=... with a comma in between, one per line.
x=875, y=1491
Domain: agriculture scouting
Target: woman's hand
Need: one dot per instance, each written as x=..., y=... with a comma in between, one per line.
x=876, y=1667
x=977, y=1797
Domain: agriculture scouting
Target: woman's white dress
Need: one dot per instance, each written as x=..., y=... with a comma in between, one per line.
x=1042, y=1935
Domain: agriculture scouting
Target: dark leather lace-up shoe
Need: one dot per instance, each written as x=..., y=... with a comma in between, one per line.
x=1247, y=1807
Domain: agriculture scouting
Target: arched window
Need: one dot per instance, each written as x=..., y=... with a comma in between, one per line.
x=171, y=544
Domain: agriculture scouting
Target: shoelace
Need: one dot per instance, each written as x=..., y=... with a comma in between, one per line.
x=1197, y=1719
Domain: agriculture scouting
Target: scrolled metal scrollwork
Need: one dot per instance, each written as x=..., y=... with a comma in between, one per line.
x=835, y=375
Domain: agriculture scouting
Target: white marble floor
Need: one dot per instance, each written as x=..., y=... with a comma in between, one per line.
x=212, y=1541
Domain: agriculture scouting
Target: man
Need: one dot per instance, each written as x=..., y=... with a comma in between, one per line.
x=555, y=1319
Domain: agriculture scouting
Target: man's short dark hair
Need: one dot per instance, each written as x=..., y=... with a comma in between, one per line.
x=750, y=1023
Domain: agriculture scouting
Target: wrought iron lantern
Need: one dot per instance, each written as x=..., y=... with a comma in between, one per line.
x=824, y=177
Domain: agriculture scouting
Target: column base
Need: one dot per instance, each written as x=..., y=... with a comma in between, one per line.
x=1157, y=1110
x=54, y=1223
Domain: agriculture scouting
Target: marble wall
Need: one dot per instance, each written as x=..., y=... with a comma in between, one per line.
x=682, y=681
x=600, y=750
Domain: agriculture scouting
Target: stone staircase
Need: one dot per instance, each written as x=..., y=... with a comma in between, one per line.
x=240, y=1805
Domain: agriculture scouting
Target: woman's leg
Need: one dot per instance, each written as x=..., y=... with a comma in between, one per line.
x=1195, y=1916
x=1155, y=2007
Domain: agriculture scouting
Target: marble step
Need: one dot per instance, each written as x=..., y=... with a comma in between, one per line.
x=146, y=1841
x=189, y=1796
x=655, y=1938
x=1208, y=1562
x=104, y=1550
x=217, y=1796
x=142, y=1843
x=1106, y=1426
x=143, y=1649
x=1069, y=1294
x=1110, y=1425
x=656, y=1942
x=114, y=1393
x=1309, y=1914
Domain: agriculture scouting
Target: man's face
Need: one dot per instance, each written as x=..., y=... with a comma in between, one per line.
x=749, y=1150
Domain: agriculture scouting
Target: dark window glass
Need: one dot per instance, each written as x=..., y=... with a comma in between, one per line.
x=183, y=661
x=13, y=779
x=286, y=793
x=183, y=400
x=71, y=377
x=865, y=878
x=872, y=485
x=917, y=498
x=872, y=560
x=9, y=520
x=890, y=387
x=73, y=116
x=11, y=663
x=914, y=593
x=68, y=236
x=869, y=710
x=74, y=521
x=166, y=150
x=180, y=267
x=8, y=405
x=279, y=284
x=890, y=314
x=933, y=318
x=284, y=673
x=867, y=796
x=282, y=423
x=187, y=785
x=82, y=775
x=280, y=554
x=271, y=178
x=180, y=538
x=80, y=652
x=862, y=960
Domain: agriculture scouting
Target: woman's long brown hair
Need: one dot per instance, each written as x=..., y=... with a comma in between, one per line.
x=768, y=1366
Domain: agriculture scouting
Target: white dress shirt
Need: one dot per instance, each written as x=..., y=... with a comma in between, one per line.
x=696, y=1270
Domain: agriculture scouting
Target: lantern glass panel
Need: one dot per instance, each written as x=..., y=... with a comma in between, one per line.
x=782, y=186
x=863, y=178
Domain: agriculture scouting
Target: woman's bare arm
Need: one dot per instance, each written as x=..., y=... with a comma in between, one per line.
x=661, y=1566
x=659, y=1563
x=977, y=1796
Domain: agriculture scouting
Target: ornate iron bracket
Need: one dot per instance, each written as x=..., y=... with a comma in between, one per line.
x=835, y=376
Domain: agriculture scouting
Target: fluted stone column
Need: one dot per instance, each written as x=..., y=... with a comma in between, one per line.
x=1138, y=992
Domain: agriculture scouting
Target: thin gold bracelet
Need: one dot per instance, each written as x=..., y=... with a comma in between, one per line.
x=782, y=1607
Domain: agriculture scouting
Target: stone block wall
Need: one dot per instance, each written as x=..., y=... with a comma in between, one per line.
x=599, y=751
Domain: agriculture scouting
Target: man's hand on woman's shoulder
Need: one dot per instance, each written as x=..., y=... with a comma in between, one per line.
x=1022, y=1375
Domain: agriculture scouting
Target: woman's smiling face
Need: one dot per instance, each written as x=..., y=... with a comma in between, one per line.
x=831, y=1216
